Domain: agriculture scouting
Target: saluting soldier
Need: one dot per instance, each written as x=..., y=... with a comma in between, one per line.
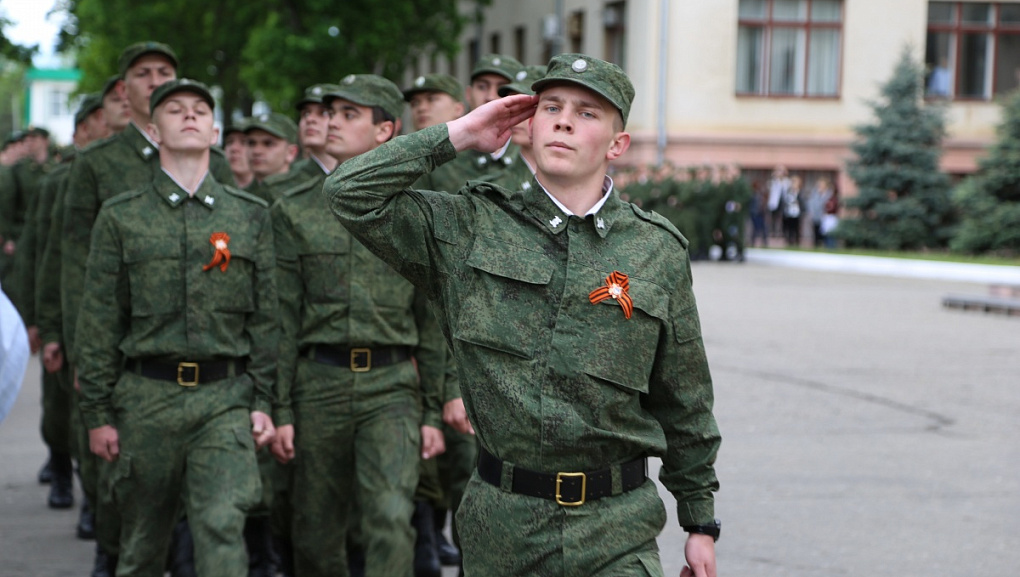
x=272, y=148
x=355, y=415
x=313, y=124
x=126, y=161
x=522, y=170
x=177, y=343
x=574, y=327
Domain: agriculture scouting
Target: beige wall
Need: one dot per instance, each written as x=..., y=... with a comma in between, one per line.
x=706, y=122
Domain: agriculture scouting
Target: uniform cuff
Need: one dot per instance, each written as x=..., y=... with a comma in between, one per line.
x=432, y=419
x=695, y=512
x=283, y=416
x=96, y=419
x=262, y=404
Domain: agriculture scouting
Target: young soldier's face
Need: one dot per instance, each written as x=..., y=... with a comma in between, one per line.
x=235, y=147
x=484, y=88
x=312, y=126
x=95, y=126
x=116, y=110
x=351, y=131
x=145, y=74
x=574, y=132
x=184, y=123
x=269, y=154
x=432, y=107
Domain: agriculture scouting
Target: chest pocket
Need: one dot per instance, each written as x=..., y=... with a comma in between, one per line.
x=232, y=290
x=623, y=350
x=154, y=273
x=505, y=308
x=324, y=269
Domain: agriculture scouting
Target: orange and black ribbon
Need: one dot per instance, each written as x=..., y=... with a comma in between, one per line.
x=222, y=256
x=617, y=285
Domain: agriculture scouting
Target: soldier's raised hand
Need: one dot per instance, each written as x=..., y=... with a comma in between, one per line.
x=487, y=128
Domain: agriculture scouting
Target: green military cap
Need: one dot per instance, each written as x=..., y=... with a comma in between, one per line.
x=599, y=76
x=314, y=94
x=368, y=90
x=435, y=83
x=239, y=126
x=180, y=85
x=523, y=80
x=505, y=66
x=13, y=137
x=136, y=51
x=279, y=125
x=89, y=104
x=37, y=131
x=110, y=84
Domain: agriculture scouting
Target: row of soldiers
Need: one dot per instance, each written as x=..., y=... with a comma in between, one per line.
x=338, y=361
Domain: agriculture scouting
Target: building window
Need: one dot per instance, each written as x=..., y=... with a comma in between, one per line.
x=494, y=44
x=58, y=103
x=972, y=49
x=614, y=22
x=789, y=47
x=519, y=43
x=575, y=31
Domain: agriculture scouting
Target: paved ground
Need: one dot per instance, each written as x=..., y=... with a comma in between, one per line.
x=866, y=432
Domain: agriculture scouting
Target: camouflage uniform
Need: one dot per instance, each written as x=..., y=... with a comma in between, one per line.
x=357, y=429
x=148, y=304
x=551, y=382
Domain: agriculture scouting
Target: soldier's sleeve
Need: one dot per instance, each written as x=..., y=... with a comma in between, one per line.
x=24, y=266
x=81, y=205
x=431, y=356
x=451, y=384
x=103, y=323
x=290, y=289
x=47, y=290
x=262, y=324
x=7, y=195
x=680, y=397
x=370, y=195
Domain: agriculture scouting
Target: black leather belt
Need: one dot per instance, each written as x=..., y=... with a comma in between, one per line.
x=184, y=373
x=358, y=359
x=567, y=489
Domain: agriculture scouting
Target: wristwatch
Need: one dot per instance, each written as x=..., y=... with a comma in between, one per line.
x=712, y=529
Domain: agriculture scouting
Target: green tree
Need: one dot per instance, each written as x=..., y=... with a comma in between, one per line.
x=268, y=50
x=989, y=201
x=14, y=60
x=903, y=198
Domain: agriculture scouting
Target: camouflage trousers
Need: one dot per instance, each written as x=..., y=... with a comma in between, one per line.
x=183, y=444
x=356, y=437
x=504, y=534
x=93, y=473
x=56, y=414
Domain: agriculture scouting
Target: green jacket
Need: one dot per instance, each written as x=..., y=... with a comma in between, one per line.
x=551, y=382
x=272, y=188
x=28, y=180
x=104, y=169
x=47, y=248
x=334, y=291
x=146, y=294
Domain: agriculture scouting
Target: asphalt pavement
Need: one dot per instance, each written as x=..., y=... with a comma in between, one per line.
x=866, y=430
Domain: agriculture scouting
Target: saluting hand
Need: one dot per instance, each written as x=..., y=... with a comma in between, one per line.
x=487, y=128
x=262, y=429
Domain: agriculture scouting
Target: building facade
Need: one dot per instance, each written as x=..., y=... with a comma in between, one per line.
x=761, y=83
x=48, y=101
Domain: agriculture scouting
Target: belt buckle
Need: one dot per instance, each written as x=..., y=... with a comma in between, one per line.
x=584, y=487
x=180, y=369
x=359, y=368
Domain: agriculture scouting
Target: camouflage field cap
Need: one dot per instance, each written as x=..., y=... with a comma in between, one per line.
x=279, y=125
x=15, y=136
x=37, y=131
x=368, y=90
x=505, y=66
x=523, y=80
x=109, y=85
x=180, y=85
x=136, y=51
x=435, y=83
x=89, y=104
x=238, y=126
x=599, y=76
x=314, y=94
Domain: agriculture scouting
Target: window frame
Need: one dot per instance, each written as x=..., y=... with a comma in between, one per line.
x=957, y=29
x=768, y=24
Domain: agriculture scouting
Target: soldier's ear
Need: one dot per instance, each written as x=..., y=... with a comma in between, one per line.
x=153, y=132
x=215, y=136
x=619, y=145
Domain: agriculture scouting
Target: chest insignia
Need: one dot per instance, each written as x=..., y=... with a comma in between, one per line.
x=221, y=258
x=616, y=288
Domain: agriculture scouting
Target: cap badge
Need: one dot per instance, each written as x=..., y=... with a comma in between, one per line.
x=522, y=75
x=617, y=285
x=420, y=81
x=221, y=257
x=317, y=91
x=579, y=65
x=264, y=118
x=496, y=62
x=349, y=79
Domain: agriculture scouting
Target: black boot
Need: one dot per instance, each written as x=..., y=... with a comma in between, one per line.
x=449, y=555
x=426, y=557
x=259, y=540
x=62, y=486
x=46, y=473
x=284, y=556
x=355, y=560
x=103, y=566
x=181, y=557
x=86, y=521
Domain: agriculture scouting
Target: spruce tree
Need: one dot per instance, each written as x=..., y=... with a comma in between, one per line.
x=989, y=201
x=903, y=199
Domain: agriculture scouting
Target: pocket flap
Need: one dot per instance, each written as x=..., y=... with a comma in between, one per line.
x=510, y=261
